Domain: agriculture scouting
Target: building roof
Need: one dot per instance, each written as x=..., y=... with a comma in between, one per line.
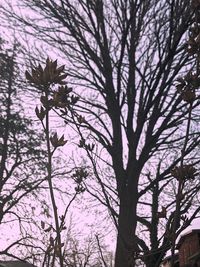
x=168, y=258
x=186, y=234
x=15, y=264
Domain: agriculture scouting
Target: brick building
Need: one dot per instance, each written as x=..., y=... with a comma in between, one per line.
x=188, y=251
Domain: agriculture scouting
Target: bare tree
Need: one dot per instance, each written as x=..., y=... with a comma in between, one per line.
x=124, y=57
x=21, y=156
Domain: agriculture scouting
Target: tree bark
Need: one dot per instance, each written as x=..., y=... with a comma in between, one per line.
x=126, y=246
x=153, y=260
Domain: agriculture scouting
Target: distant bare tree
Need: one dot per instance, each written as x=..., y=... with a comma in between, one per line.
x=21, y=156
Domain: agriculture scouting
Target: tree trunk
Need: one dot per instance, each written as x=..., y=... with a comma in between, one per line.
x=126, y=245
x=153, y=261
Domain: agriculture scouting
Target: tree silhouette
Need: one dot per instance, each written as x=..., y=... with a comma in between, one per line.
x=21, y=156
x=124, y=57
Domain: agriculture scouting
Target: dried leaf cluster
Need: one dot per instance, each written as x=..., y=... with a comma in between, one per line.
x=185, y=172
x=50, y=74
